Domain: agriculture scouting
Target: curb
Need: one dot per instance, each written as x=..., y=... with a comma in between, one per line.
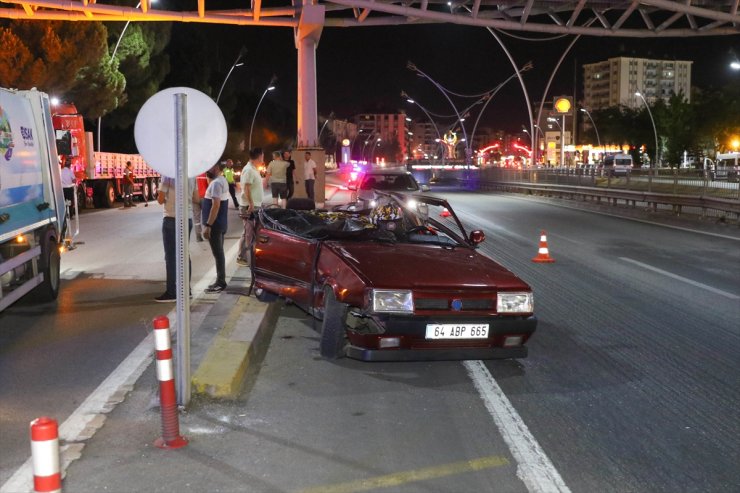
x=236, y=349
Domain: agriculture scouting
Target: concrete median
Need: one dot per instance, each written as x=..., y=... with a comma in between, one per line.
x=236, y=349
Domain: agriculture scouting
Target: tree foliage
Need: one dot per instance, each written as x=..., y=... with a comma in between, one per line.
x=66, y=59
x=142, y=59
x=702, y=127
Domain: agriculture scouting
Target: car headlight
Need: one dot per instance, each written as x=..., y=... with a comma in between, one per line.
x=392, y=301
x=514, y=303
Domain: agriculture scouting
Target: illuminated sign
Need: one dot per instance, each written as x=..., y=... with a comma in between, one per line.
x=562, y=105
x=345, y=142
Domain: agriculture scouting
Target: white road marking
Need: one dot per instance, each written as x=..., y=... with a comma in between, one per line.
x=683, y=279
x=89, y=417
x=533, y=466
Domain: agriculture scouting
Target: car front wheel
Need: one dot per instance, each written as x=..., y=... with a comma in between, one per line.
x=333, y=336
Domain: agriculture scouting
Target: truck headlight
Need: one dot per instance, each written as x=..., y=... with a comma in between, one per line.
x=514, y=303
x=392, y=301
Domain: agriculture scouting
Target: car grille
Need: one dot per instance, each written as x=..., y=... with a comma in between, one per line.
x=445, y=303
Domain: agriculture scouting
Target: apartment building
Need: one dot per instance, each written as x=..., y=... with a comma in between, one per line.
x=615, y=81
x=385, y=126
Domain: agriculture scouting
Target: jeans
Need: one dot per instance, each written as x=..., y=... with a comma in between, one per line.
x=216, y=240
x=232, y=192
x=309, y=188
x=169, y=239
x=248, y=235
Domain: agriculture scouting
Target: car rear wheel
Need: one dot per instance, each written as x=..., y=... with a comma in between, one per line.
x=333, y=336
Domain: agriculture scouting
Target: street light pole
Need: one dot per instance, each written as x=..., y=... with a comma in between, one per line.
x=270, y=87
x=112, y=56
x=655, y=131
x=233, y=66
x=598, y=140
x=562, y=137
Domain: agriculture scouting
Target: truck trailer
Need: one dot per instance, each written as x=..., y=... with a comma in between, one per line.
x=33, y=215
x=100, y=174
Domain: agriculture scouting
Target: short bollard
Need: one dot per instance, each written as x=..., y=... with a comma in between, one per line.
x=167, y=398
x=47, y=476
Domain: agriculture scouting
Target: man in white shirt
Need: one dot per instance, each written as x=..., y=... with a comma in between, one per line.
x=68, y=187
x=250, y=201
x=309, y=170
x=166, y=197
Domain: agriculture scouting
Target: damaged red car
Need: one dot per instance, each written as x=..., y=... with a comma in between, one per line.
x=401, y=281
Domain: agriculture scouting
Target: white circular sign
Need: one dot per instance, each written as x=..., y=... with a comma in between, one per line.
x=155, y=132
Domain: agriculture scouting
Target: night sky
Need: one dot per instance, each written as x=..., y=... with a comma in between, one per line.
x=364, y=69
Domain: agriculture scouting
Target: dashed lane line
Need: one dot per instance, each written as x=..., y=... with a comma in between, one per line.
x=682, y=279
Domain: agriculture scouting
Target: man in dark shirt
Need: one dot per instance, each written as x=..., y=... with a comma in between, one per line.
x=289, y=174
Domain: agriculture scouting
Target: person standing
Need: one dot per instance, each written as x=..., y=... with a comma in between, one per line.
x=276, y=175
x=68, y=187
x=229, y=175
x=128, y=185
x=166, y=197
x=215, y=207
x=289, y=181
x=250, y=201
x=309, y=173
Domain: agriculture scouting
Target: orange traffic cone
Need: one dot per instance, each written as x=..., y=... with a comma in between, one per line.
x=543, y=255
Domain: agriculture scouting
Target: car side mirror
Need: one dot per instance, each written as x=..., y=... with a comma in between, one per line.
x=477, y=237
x=425, y=188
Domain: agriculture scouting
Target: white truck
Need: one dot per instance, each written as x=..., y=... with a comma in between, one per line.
x=32, y=207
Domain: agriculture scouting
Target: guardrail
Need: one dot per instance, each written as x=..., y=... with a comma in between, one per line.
x=677, y=190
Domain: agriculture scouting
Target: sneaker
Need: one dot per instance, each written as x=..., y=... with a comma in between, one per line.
x=241, y=261
x=165, y=298
x=215, y=288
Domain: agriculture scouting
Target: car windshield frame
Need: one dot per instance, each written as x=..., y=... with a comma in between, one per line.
x=347, y=223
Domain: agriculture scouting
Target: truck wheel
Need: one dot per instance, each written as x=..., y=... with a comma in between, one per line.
x=109, y=195
x=145, y=192
x=333, y=331
x=153, y=189
x=49, y=266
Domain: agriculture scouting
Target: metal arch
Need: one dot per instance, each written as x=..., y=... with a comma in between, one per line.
x=617, y=18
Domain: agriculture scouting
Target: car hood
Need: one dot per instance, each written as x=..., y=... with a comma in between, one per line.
x=425, y=266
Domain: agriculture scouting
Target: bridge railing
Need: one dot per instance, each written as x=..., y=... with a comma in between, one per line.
x=681, y=191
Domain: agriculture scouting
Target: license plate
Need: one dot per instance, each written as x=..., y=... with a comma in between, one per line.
x=457, y=331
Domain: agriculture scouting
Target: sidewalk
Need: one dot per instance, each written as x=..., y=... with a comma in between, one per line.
x=121, y=456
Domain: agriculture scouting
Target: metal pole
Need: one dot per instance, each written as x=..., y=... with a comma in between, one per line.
x=251, y=127
x=562, y=143
x=236, y=64
x=182, y=232
x=650, y=114
x=112, y=56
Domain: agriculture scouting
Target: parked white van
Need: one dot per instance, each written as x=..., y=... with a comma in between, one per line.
x=617, y=164
x=726, y=167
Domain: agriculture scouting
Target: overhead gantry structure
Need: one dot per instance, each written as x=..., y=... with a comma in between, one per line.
x=599, y=18
x=616, y=18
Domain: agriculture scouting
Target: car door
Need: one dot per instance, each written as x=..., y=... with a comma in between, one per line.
x=283, y=262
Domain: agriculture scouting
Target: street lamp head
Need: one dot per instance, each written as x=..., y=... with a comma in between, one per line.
x=239, y=64
x=735, y=65
x=638, y=94
x=584, y=110
x=551, y=119
x=410, y=101
x=271, y=88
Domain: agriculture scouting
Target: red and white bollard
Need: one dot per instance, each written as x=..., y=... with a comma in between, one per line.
x=167, y=397
x=47, y=476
